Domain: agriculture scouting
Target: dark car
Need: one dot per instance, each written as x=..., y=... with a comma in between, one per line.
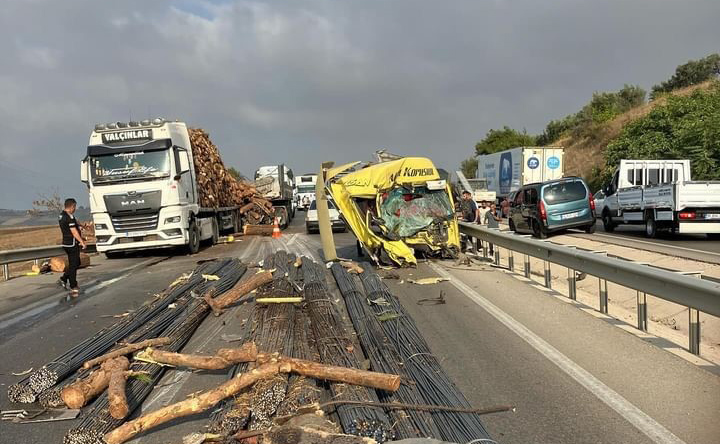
x=543, y=208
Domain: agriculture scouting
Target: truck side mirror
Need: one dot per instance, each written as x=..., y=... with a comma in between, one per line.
x=181, y=161
x=84, y=171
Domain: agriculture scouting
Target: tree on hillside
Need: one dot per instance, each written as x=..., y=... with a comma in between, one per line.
x=469, y=167
x=502, y=139
x=683, y=128
x=236, y=174
x=691, y=73
x=52, y=203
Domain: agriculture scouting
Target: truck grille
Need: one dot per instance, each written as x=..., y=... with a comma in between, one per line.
x=135, y=222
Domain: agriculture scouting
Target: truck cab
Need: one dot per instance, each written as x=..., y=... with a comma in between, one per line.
x=305, y=191
x=143, y=192
x=277, y=184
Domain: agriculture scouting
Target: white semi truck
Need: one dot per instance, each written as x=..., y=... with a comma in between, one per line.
x=143, y=189
x=507, y=171
x=305, y=190
x=660, y=195
x=278, y=191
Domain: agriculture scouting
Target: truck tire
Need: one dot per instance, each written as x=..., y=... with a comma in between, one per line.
x=650, y=226
x=215, y=232
x=608, y=224
x=193, y=245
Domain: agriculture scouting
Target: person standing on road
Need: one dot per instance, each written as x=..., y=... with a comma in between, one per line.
x=469, y=213
x=505, y=208
x=492, y=220
x=72, y=241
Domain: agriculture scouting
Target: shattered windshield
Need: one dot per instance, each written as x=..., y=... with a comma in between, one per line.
x=407, y=212
x=135, y=165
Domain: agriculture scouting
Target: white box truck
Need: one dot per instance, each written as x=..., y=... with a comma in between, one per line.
x=143, y=189
x=660, y=195
x=305, y=190
x=278, y=191
x=506, y=171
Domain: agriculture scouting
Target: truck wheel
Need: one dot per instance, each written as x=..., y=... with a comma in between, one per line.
x=650, y=226
x=215, y=232
x=608, y=224
x=193, y=245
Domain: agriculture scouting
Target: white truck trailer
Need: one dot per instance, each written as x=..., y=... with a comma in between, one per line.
x=143, y=189
x=506, y=171
x=660, y=195
x=305, y=190
x=279, y=191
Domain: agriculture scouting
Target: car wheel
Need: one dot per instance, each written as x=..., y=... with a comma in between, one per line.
x=607, y=221
x=539, y=229
x=590, y=229
x=650, y=226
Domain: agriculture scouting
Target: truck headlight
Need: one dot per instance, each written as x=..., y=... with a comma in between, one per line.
x=172, y=220
x=100, y=226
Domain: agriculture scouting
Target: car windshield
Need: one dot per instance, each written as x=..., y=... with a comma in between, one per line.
x=306, y=188
x=566, y=191
x=134, y=165
x=331, y=205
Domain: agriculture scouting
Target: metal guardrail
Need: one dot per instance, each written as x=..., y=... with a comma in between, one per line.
x=699, y=295
x=8, y=257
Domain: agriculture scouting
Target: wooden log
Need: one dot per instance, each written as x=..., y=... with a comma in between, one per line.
x=224, y=358
x=192, y=405
x=79, y=393
x=354, y=376
x=241, y=289
x=58, y=264
x=258, y=230
x=126, y=350
x=117, y=400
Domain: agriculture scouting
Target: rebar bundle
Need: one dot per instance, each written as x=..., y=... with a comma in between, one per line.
x=48, y=375
x=384, y=358
x=335, y=347
x=421, y=366
x=189, y=312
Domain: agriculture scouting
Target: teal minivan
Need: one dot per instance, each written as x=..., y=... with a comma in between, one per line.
x=543, y=208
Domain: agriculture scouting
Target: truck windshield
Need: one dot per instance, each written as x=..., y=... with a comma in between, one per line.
x=406, y=212
x=306, y=188
x=134, y=165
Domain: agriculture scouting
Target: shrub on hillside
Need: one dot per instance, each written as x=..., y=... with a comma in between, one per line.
x=686, y=127
x=691, y=73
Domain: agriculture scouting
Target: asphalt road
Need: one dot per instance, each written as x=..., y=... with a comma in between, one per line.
x=573, y=377
x=690, y=246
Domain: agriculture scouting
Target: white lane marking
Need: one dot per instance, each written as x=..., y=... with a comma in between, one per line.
x=639, y=419
x=620, y=238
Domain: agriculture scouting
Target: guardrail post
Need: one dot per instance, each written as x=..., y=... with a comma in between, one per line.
x=6, y=271
x=511, y=260
x=694, y=333
x=603, y=296
x=642, y=319
x=527, y=266
x=572, y=290
x=497, y=255
x=548, y=278
x=485, y=249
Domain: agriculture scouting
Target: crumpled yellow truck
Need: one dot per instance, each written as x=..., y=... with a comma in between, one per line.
x=396, y=208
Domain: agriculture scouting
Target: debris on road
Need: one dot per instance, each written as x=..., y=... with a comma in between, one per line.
x=428, y=281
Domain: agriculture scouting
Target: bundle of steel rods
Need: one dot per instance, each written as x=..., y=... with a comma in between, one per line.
x=190, y=312
x=384, y=358
x=421, y=366
x=48, y=375
x=335, y=347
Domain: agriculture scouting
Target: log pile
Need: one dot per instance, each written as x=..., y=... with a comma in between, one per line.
x=218, y=188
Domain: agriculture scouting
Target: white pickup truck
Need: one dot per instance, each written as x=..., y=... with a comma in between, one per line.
x=660, y=195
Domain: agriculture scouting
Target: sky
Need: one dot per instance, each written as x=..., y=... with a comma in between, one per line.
x=301, y=82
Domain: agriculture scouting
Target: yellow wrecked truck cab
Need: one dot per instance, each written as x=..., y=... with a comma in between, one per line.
x=397, y=207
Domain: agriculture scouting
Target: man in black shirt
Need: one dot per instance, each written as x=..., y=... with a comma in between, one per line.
x=71, y=242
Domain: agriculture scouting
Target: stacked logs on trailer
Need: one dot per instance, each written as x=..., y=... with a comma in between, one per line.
x=218, y=188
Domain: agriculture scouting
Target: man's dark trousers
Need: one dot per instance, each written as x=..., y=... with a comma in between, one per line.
x=70, y=275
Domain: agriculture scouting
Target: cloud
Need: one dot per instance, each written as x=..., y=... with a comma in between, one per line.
x=305, y=81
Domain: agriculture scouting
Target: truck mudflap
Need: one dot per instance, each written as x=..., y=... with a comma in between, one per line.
x=396, y=209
